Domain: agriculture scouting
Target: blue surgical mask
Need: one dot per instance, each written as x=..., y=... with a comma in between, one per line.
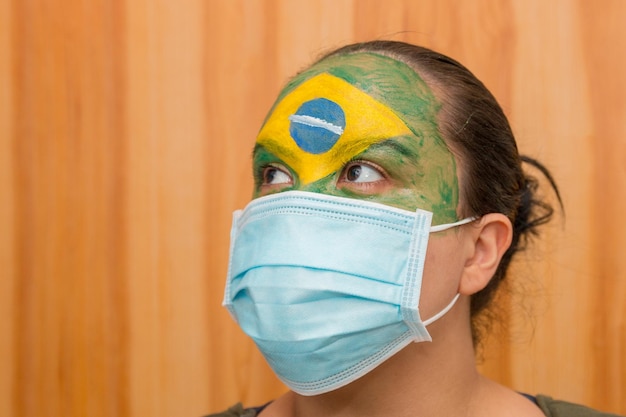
x=328, y=287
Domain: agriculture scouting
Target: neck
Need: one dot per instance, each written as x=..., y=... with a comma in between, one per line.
x=424, y=379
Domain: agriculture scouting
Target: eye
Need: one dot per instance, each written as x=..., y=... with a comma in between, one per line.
x=273, y=175
x=360, y=172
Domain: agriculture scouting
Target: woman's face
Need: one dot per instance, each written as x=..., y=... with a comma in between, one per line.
x=365, y=126
x=360, y=126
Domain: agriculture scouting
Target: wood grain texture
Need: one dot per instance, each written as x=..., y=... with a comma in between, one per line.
x=7, y=214
x=125, y=136
x=68, y=202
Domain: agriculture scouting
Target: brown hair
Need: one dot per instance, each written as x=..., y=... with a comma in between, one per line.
x=474, y=127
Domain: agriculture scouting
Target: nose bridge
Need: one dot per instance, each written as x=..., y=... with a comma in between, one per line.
x=322, y=186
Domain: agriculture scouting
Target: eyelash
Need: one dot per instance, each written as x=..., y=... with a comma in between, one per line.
x=259, y=175
x=370, y=164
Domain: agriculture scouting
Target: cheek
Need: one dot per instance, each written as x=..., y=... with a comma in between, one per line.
x=442, y=274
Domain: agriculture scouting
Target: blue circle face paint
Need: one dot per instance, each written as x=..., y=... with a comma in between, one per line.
x=317, y=125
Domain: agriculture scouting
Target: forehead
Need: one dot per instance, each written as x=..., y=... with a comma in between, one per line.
x=341, y=106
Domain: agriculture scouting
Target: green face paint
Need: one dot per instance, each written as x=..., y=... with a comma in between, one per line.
x=360, y=109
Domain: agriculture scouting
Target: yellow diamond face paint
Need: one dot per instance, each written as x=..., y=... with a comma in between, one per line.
x=323, y=123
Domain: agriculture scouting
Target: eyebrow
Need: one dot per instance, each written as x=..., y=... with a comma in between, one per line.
x=275, y=148
x=256, y=149
x=387, y=143
x=393, y=144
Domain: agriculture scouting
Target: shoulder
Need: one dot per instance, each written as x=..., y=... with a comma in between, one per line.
x=557, y=408
x=237, y=410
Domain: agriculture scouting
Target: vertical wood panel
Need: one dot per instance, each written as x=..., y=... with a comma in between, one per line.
x=238, y=89
x=167, y=207
x=69, y=258
x=125, y=136
x=546, y=84
x=604, y=46
x=7, y=213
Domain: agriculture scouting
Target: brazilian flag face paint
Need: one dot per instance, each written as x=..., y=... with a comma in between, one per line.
x=364, y=107
x=325, y=122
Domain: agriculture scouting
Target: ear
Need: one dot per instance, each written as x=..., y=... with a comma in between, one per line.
x=491, y=237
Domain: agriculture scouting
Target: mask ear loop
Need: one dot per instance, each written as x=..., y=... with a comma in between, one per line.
x=442, y=227
x=442, y=312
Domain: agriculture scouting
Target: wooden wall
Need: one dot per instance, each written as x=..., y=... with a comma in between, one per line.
x=125, y=134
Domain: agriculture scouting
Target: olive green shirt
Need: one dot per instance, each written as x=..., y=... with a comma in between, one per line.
x=557, y=408
x=549, y=406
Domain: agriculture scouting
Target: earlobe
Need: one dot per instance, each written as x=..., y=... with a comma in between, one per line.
x=491, y=237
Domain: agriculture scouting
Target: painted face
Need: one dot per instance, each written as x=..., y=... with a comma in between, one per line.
x=360, y=126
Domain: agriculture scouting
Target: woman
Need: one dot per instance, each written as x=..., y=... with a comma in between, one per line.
x=389, y=200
